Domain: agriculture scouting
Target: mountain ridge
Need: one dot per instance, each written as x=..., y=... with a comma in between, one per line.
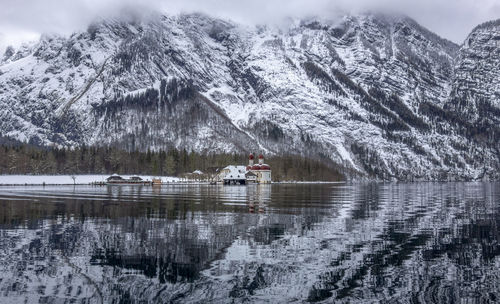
x=372, y=94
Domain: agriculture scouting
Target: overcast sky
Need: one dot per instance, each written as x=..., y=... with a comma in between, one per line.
x=22, y=20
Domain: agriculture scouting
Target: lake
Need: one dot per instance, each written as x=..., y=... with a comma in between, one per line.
x=343, y=243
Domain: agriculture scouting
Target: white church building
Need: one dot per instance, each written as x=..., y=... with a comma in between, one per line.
x=261, y=170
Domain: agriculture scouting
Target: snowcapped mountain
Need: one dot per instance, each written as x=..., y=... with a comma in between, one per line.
x=476, y=81
x=378, y=94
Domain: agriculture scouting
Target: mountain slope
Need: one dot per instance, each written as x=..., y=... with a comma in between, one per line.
x=370, y=92
x=476, y=81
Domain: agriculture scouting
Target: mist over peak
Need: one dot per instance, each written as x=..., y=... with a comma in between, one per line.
x=22, y=20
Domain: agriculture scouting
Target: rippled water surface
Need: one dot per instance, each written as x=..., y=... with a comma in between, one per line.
x=387, y=243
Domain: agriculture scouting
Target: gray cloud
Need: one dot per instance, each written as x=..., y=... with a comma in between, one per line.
x=22, y=20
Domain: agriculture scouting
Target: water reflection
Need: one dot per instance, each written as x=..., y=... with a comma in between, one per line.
x=425, y=242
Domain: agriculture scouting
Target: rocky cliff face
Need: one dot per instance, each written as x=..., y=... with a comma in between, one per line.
x=379, y=95
x=476, y=81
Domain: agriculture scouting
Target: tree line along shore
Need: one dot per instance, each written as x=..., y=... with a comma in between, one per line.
x=33, y=160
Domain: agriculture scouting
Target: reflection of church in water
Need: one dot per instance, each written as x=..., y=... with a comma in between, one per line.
x=258, y=197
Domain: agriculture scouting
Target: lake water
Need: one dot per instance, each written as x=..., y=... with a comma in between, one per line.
x=388, y=243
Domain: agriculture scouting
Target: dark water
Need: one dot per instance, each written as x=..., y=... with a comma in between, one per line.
x=387, y=243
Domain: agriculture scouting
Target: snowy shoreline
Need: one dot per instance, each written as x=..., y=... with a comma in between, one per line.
x=62, y=180
x=36, y=180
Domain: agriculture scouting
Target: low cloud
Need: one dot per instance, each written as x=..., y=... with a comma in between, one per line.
x=22, y=20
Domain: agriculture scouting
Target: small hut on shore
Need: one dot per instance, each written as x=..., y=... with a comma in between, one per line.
x=115, y=178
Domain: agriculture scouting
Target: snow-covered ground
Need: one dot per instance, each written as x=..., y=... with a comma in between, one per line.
x=87, y=179
x=67, y=180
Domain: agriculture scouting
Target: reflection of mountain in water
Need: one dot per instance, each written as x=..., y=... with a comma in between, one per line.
x=429, y=242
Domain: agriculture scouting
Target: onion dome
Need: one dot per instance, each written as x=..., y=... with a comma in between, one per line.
x=261, y=156
x=265, y=167
x=251, y=156
x=249, y=168
x=256, y=167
